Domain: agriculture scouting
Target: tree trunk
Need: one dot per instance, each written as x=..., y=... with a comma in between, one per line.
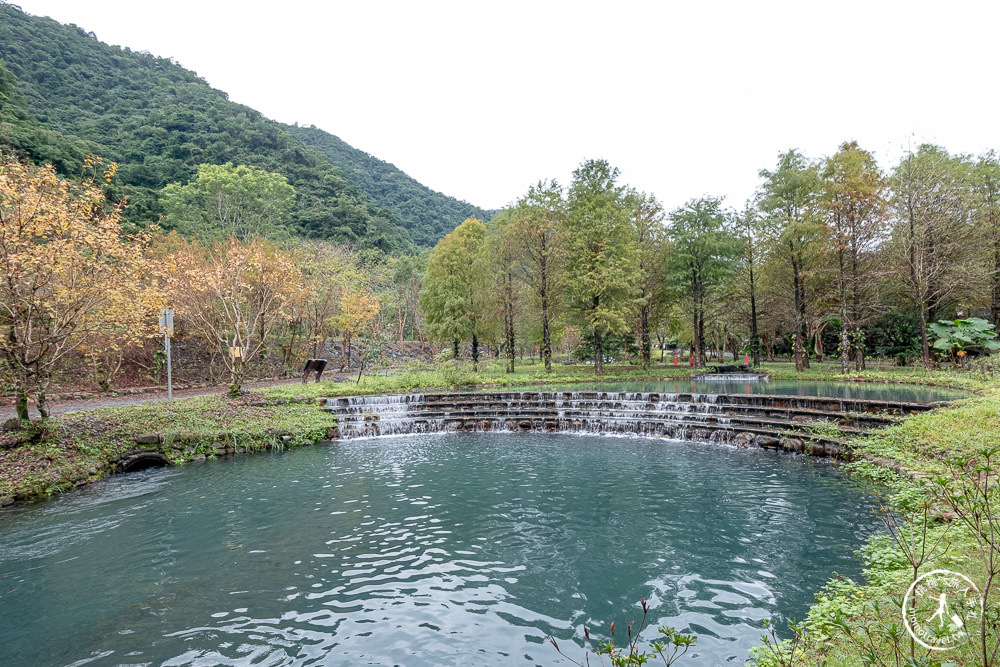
x=475, y=354
x=644, y=336
x=845, y=345
x=799, y=319
x=546, y=339
x=509, y=320
x=22, y=404
x=754, y=335
x=923, y=335
x=598, y=353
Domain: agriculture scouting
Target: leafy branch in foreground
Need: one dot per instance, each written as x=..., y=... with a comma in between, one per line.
x=670, y=648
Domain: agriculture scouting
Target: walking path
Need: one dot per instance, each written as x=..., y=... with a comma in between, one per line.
x=62, y=407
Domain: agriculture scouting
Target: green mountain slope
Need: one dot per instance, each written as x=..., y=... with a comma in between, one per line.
x=426, y=214
x=159, y=121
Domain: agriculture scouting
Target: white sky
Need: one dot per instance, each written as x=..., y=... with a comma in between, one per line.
x=687, y=98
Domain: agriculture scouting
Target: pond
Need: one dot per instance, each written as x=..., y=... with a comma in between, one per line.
x=862, y=390
x=458, y=549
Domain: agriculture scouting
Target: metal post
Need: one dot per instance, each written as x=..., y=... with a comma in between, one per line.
x=167, y=328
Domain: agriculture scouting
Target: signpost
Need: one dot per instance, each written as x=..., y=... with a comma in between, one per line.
x=167, y=329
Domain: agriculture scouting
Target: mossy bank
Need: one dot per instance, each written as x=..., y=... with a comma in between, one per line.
x=81, y=448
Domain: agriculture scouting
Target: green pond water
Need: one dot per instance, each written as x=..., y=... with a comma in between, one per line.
x=867, y=390
x=458, y=549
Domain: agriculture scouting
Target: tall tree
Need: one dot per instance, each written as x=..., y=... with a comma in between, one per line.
x=453, y=294
x=501, y=258
x=746, y=226
x=601, y=254
x=790, y=202
x=855, y=201
x=646, y=216
x=932, y=235
x=538, y=229
x=986, y=201
x=702, y=255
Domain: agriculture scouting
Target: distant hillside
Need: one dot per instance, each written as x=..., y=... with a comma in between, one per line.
x=426, y=214
x=71, y=94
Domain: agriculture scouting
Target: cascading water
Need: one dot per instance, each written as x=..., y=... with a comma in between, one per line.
x=722, y=418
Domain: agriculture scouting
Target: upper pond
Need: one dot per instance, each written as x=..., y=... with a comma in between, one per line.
x=863, y=390
x=458, y=549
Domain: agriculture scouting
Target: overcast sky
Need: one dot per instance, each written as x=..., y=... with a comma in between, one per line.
x=480, y=100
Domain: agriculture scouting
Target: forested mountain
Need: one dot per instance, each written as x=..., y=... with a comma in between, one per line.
x=64, y=94
x=426, y=214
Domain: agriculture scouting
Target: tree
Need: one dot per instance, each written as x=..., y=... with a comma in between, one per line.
x=647, y=227
x=931, y=237
x=452, y=297
x=986, y=202
x=538, y=228
x=68, y=272
x=223, y=200
x=501, y=258
x=747, y=226
x=234, y=295
x=790, y=202
x=854, y=198
x=601, y=254
x=357, y=310
x=702, y=255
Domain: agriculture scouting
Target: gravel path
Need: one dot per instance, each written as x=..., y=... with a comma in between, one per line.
x=62, y=407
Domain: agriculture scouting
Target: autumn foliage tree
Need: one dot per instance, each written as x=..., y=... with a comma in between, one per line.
x=357, y=310
x=235, y=294
x=69, y=274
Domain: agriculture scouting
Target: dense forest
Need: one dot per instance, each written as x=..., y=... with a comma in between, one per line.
x=427, y=215
x=834, y=257
x=65, y=94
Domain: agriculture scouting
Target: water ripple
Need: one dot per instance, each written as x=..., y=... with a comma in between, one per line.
x=428, y=550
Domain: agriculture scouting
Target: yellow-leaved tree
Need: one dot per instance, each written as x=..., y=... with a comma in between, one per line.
x=68, y=274
x=357, y=310
x=234, y=294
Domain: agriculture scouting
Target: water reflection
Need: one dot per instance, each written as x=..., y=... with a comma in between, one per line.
x=857, y=390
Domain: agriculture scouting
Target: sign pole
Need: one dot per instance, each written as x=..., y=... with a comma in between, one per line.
x=170, y=379
x=167, y=328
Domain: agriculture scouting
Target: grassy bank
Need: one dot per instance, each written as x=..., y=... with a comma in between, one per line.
x=81, y=448
x=944, y=514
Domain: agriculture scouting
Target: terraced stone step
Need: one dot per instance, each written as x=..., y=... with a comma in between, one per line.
x=799, y=423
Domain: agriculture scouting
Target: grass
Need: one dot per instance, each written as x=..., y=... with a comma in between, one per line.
x=82, y=447
x=860, y=623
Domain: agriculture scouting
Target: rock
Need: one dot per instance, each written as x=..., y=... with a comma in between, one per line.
x=319, y=401
x=793, y=444
x=768, y=441
x=148, y=439
x=12, y=425
x=332, y=433
x=198, y=458
x=6, y=501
